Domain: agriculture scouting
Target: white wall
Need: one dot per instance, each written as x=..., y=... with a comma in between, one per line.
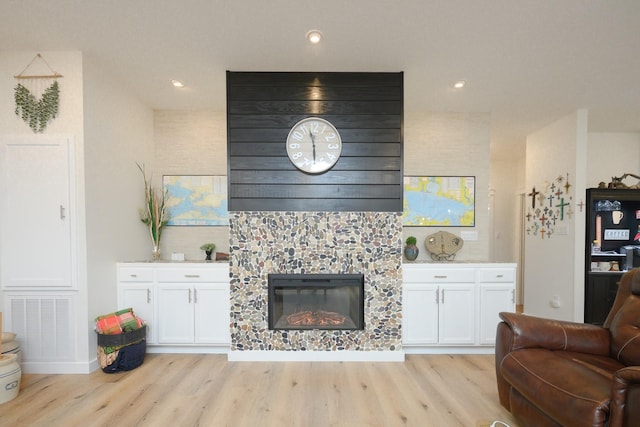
x=190, y=143
x=451, y=144
x=554, y=265
x=612, y=154
x=111, y=131
x=118, y=133
x=506, y=178
x=194, y=142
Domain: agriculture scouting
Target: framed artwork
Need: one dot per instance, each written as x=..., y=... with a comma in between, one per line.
x=196, y=199
x=439, y=201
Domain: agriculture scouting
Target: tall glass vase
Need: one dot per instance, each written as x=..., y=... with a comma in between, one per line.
x=155, y=252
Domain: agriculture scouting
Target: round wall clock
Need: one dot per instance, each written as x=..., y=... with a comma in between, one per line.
x=314, y=145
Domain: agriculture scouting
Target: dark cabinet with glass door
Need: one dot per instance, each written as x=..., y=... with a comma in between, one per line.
x=612, y=246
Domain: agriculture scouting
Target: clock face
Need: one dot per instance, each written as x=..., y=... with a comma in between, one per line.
x=314, y=145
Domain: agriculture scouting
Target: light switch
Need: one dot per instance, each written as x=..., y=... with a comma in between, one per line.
x=469, y=235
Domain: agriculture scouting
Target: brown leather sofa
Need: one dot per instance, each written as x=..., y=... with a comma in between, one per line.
x=558, y=373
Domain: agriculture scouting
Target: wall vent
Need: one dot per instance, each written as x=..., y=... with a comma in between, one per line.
x=42, y=325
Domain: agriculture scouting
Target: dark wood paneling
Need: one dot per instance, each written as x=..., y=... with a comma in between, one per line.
x=367, y=110
x=366, y=149
x=337, y=177
x=315, y=107
x=317, y=205
x=312, y=191
x=279, y=135
x=344, y=163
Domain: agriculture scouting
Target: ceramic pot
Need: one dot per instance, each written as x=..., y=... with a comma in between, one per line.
x=411, y=252
x=10, y=374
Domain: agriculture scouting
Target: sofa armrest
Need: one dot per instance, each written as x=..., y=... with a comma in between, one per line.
x=625, y=397
x=537, y=332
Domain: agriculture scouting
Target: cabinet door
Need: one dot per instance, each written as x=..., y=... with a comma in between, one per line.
x=601, y=292
x=37, y=211
x=211, y=313
x=420, y=314
x=494, y=298
x=175, y=313
x=140, y=298
x=457, y=314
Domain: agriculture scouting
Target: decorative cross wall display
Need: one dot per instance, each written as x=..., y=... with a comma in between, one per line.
x=554, y=206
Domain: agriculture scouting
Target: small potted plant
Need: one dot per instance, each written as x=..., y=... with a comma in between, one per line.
x=208, y=249
x=411, y=250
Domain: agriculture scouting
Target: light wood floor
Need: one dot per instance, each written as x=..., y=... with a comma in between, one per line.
x=206, y=390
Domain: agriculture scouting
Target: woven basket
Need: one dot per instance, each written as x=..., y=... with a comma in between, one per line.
x=122, y=339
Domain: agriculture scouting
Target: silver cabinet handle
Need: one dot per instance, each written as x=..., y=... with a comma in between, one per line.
x=148, y=296
x=499, y=275
x=437, y=296
x=189, y=295
x=195, y=296
x=513, y=296
x=192, y=276
x=443, y=296
x=440, y=277
x=63, y=214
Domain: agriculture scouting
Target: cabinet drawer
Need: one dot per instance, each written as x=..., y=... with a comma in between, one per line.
x=429, y=275
x=135, y=274
x=497, y=275
x=192, y=275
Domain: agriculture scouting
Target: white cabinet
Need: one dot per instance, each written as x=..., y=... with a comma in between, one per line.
x=186, y=304
x=175, y=313
x=420, y=319
x=37, y=207
x=456, y=320
x=211, y=314
x=497, y=293
x=39, y=250
x=439, y=306
x=454, y=307
x=136, y=290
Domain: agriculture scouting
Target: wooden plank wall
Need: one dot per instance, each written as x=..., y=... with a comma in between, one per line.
x=367, y=110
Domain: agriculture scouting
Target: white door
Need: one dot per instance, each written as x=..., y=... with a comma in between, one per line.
x=494, y=298
x=175, y=313
x=139, y=297
x=36, y=211
x=420, y=314
x=211, y=314
x=457, y=314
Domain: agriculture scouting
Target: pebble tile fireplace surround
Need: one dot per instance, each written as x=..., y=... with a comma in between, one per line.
x=266, y=242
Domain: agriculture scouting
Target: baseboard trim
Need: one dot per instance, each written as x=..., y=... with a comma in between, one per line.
x=315, y=356
x=58, y=367
x=425, y=349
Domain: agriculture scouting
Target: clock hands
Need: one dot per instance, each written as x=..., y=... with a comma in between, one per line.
x=313, y=143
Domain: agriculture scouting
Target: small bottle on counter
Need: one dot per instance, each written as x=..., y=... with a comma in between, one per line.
x=595, y=247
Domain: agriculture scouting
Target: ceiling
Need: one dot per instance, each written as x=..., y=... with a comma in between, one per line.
x=527, y=62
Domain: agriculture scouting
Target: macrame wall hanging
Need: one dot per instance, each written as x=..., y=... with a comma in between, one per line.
x=37, y=96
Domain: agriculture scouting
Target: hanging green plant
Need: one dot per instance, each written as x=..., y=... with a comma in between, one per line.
x=37, y=113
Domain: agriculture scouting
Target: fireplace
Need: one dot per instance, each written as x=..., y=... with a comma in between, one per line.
x=316, y=301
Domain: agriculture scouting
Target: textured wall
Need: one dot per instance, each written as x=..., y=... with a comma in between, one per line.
x=316, y=242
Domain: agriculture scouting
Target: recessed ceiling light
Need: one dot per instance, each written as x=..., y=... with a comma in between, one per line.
x=177, y=83
x=314, y=36
x=459, y=84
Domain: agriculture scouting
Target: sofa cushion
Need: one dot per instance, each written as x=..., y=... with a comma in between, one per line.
x=625, y=332
x=564, y=385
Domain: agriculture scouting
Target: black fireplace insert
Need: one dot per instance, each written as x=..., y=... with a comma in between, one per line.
x=316, y=301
